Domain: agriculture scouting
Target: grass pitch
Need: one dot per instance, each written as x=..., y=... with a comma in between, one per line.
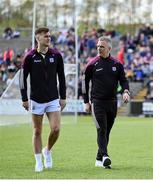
x=130, y=148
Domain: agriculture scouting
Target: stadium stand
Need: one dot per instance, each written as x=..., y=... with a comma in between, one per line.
x=134, y=52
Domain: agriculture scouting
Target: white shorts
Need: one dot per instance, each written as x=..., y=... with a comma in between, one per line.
x=41, y=108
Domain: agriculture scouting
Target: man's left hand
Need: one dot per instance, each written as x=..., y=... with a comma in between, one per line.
x=126, y=97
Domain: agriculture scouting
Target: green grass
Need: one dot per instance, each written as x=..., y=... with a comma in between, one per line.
x=130, y=148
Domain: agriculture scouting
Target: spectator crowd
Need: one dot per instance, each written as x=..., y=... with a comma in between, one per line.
x=135, y=52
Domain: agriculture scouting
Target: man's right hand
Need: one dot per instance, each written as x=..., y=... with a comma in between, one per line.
x=88, y=107
x=62, y=104
x=26, y=105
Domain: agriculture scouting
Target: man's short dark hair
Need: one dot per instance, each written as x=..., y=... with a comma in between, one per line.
x=41, y=29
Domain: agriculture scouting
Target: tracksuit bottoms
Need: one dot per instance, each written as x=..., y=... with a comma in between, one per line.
x=104, y=114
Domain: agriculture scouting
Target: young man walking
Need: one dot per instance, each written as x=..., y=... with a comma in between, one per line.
x=47, y=94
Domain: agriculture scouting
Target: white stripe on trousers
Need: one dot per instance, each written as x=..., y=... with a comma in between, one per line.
x=94, y=117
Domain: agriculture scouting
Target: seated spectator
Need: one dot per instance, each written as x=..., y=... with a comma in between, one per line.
x=150, y=88
x=8, y=56
x=129, y=74
x=18, y=61
x=10, y=77
x=151, y=44
x=138, y=74
x=16, y=34
x=91, y=43
x=120, y=55
x=1, y=58
x=3, y=70
x=130, y=56
x=151, y=65
x=8, y=33
x=11, y=68
x=61, y=39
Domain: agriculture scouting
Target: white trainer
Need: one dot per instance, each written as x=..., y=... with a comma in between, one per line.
x=48, y=163
x=98, y=163
x=38, y=167
x=106, y=162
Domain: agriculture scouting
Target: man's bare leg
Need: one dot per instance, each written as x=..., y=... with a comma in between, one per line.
x=37, y=141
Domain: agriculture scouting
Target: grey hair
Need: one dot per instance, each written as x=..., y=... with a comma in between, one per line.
x=106, y=39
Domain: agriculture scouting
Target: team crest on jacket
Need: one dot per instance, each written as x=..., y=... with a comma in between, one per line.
x=113, y=68
x=51, y=60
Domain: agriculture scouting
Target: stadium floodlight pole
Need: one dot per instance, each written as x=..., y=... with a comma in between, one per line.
x=34, y=24
x=77, y=62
